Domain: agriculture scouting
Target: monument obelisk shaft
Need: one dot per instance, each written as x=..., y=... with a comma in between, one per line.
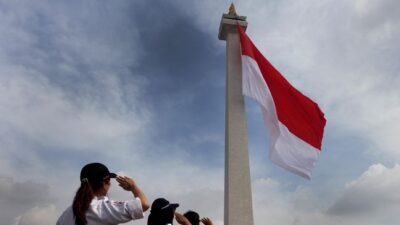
x=238, y=201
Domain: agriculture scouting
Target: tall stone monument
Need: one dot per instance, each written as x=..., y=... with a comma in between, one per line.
x=238, y=201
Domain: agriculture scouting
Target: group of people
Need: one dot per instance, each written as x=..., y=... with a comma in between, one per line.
x=91, y=205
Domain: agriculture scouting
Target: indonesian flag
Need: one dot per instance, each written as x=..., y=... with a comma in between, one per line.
x=295, y=123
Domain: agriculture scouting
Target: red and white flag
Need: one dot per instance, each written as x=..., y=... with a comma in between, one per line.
x=295, y=123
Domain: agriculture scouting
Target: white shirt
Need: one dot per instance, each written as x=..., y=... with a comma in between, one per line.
x=103, y=211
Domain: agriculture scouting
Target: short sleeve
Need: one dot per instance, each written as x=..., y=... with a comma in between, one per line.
x=116, y=212
x=135, y=207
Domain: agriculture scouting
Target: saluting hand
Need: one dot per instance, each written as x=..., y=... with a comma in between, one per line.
x=126, y=183
x=206, y=221
x=129, y=184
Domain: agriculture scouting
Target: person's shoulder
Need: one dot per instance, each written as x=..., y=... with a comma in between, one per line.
x=67, y=217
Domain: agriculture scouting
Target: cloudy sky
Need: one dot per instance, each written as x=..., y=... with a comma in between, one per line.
x=139, y=85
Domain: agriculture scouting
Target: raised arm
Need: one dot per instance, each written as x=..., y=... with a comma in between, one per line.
x=129, y=184
x=181, y=219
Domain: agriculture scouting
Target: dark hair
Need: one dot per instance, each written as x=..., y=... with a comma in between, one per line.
x=91, y=181
x=193, y=217
x=81, y=202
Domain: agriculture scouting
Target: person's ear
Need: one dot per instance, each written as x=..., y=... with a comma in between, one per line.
x=107, y=180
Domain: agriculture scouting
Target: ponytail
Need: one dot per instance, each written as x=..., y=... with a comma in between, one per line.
x=82, y=201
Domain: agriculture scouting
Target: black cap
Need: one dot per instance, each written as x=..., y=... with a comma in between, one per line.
x=160, y=204
x=96, y=172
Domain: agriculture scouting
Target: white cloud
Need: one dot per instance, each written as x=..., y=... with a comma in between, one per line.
x=18, y=196
x=370, y=199
x=42, y=113
x=38, y=216
x=266, y=184
x=375, y=190
x=62, y=87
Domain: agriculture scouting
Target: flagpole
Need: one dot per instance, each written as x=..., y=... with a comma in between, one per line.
x=238, y=201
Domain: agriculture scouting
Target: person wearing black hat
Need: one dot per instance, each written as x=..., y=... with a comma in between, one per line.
x=162, y=213
x=194, y=218
x=91, y=206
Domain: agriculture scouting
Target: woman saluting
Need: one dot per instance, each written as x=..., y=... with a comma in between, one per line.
x=91, y=205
